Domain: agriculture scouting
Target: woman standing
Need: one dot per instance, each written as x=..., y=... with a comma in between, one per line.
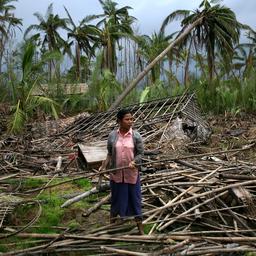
x=125, y=149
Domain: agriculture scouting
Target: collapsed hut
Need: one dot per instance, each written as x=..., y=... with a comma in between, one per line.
x=159, y=121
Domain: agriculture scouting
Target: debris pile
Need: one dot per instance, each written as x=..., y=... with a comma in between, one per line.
x=194, y=203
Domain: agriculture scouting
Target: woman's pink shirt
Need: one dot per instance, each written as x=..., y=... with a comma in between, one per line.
x=124, y=155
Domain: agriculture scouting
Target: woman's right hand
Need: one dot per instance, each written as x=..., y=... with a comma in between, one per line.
x=102, y=168
x=132, y=165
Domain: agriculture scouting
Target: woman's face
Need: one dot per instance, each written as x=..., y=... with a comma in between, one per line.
x=126, y=122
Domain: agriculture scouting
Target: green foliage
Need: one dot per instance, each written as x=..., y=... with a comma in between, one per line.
x=47, y=28
x=132, y=98
x=74, y=103
x=149, y=48
x=226, y=98
x=231, y=96
x=217, y=31
x=155, y=91
x=25, y=103
x=17, y=120
x=3, y=89
x=248, y=94
x=83, y=183
x=103, y=88
x=51, y=201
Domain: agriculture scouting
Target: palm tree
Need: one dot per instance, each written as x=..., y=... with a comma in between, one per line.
x=8, y=23
x=85, y=37
x=244, y=59
x=218, y=31
x=25, y=102
x=149, y=49
x=48, y=27
x=116, y=24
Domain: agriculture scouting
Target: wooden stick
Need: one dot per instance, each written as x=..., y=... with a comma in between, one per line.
x=145, y=238
x=236, y=177
x=9, y=176
x=96, y=206
x=213, y=251
x=85, y=194
x=59, y=163
x=119, y=251
x=170, y=249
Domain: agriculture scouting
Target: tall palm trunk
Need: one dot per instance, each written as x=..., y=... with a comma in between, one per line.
x=128, y=89
x=1, y=53
x=78, y=62
x=200, y=61
x=210, y=60
x=51, y=64
x=3, y=42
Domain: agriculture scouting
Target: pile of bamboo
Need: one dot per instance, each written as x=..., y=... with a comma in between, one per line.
x=190, y=206
x=200, y=204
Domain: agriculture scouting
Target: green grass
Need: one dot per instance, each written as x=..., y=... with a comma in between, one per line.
x=73, y=225
x=30, y=183
x=15, y=243
x=83, y=183
x=3, y=248
x=51, y=200
x=147, y=228
x=52, y=213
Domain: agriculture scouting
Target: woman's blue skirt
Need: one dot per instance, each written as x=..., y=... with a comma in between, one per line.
x=126, y=199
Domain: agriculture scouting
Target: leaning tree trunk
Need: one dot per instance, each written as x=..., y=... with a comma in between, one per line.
x=127, y=90
x=186, y=75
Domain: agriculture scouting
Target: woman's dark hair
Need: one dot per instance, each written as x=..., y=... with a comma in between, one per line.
x=122, y=112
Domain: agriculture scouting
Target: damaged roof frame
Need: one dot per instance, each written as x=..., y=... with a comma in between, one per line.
x=151, y=119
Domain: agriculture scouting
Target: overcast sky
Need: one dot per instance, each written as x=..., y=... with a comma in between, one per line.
x=149, y=13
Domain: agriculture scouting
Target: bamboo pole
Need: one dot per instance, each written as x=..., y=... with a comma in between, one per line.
x=164, y=238
x=121, y=251
x=96, y=206
x=170, y=249
x=85, y=194
x=215, y=251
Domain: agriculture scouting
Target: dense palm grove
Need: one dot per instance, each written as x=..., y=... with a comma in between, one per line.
x=121, y=66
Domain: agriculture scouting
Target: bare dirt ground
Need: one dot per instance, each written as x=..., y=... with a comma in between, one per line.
x=231, y=132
